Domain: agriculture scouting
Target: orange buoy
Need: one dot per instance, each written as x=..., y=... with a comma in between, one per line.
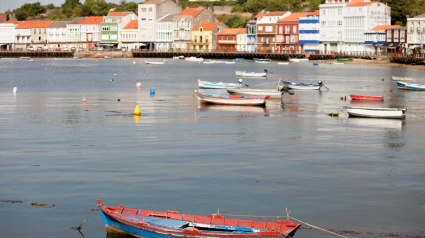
x=138, y=85
x=84, y=100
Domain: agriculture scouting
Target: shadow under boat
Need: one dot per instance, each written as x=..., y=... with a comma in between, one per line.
x=232, y=108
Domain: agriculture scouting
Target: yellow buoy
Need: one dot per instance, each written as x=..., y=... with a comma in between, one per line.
x=137, y=110
x=136, y=118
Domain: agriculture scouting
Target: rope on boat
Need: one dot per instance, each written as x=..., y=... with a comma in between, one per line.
x=288, y=217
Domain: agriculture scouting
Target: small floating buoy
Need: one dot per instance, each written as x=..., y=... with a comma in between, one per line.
x=333, y=114
x=343, y=98
x=134, y=62
x=115, y=74
x=84, y=100
x=137, y=110
x=45, y=68
x=138, y=85
x=111, y=79
x=152, y=91
x=15, y=89
x=382, y=79
x=315, y=63
x=119, y=100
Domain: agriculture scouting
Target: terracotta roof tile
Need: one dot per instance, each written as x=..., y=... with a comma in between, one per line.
x=207, y=26
x=2, y=16
x=232, y=31
x=78, y=20
x=275, y=14
x=359, y=4
x=13, y=22
x=92, y=21
x=193, y=12
x=118, y=14
x=34, y=24
x=385, y=27
x=296, y=16
x=133, y=24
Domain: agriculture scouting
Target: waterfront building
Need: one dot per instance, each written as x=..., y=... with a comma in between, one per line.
x=56, y=35
x=288, y=30
x=129, y=38
x=266, y=30
x=204, y=35
x=241, y=40
x=148, y=14
x=32, y=33
x=8, y=35
x=185, y=21
x=227, y=39
x=416, y=33
x=251, y=32
x=110, y=27
x=73, y=32
x=377, y=37
x=396, y=40
x=90, y=31
x=309, y=32
x=164, y=33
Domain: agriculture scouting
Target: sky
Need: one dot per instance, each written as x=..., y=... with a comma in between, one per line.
x=13, y=4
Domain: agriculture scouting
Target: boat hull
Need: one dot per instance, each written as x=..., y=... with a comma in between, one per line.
x=250, y=74
x=194, y=59
x=216, y=85
x=344, y=60
x=410, y=86
x=232, y=99
x=301, y=86
x=156, y=224
x=154, y=62
x=366, y=97
x=255, y=92
x=394, y=78
x=387, y=113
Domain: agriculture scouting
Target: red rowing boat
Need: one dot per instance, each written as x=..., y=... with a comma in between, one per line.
x=166, y=224
x=366, y=97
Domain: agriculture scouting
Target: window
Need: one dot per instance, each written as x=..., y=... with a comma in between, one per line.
x=287, y=30
x=260, y=28
x=269, y=28
x=339, y=12
x=143, y=19
x=150, y=9
x=294, y=29
x=143, y=9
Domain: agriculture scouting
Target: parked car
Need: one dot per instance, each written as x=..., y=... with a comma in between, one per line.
x=93, y=49
x=65, y=48
x=40, y=48
x=30, y=48
x=80, y=49
x=73, y=49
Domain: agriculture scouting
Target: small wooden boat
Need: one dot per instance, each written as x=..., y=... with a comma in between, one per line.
x=178, y=57
x=155, y=62
x=107, y=57
x=161, y=224
x=344, y=60
x=338, y=63
x=298, y=60
x=224, y=99
x=217, y=85
x=395, y=78
x=250, y=74
x=208, y=62
x=388, y=113
x=283, y=63
x=303, y=86
x=366, y=97
x=240, y=59
x=194, y=59
x=411, y=86
x=273, y=93
x=261, y=61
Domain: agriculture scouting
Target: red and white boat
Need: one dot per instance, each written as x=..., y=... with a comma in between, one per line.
x=226, y=99
x=165, y=224
x=366, y=97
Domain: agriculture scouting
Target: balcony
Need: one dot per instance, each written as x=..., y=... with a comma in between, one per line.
x=227, y=41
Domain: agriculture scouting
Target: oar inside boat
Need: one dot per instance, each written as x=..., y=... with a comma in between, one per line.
x=240, y=81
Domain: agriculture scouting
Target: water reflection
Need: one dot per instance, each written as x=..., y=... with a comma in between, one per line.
x=247, y=110
x=377, y=123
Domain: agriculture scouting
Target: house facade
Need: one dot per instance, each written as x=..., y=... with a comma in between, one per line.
x=396, y=40
x=129, y=35
x=266, y=30
x=227, y=39
x=251, y=32
x=309, y=33
x=56, y=34
x=111, y=25
x=164, y=33
x=416, y=33
x=241, y=40
x=185, y=21
x=7, y=35
x=73, y=32
x=204, y=36
x=90, y=32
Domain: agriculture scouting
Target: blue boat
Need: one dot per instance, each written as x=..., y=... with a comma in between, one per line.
x=240, y=59
x=165, y=224
x=303, y=86
x=410, y=86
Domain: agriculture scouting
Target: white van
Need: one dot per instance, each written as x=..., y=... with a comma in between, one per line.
x=30, y=48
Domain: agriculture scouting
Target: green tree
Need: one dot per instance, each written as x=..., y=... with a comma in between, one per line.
x=86, y=11
x=400, y=9
x=70, y=3
x=50, y=6
x=20, y=15
x=236, y=21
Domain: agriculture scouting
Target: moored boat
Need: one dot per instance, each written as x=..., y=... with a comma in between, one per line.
x=303, y=86
x=262, y=61
x=194, y=59
x=217, y=85
x=338, y=62
x=273, y=93
x=250, y=74
x=283, y=63
x=295, y=60
x=225, y=99
x=155, y=62
x=410, y=86
x=388, y=113
x=395, y=78
x=208, y=62
x=344, y=60
x=366, y=97
x=240, y=59
x=162, y=224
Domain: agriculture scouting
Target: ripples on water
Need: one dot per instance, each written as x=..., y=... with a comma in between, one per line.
x=340, y=173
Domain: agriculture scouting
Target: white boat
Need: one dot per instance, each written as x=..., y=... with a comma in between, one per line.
x=178, y=57
x=388, y=113
x=24, y=57
x=30, y=59
x=250, y=74
x=411, y=86
x=232, y=99
x=395, y=78
x=155, y=62
x=337, y=63
x=230, y=62
x=298, y=60
x=217, y=85
x=273, y=93
x=283, y=63
x=303, y=86
x=208, y=62
x=261, y=62
x=107, y=57
x=194, y=59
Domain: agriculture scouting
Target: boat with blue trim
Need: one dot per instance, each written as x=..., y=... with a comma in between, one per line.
x=164, y=224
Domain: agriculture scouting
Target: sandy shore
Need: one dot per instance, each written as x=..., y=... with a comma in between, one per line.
x=384, y=63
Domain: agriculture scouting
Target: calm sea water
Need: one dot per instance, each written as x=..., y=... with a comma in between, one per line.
x=362, y=175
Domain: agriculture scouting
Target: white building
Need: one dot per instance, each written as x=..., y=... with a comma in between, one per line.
x=309, y=33
x=56, y=34
x=241, y=40
x=343, y=24
x=164, y=33
x=90, y=31
x=7, y=35
x=416, y=32
x=73, y=32
x=129, y=38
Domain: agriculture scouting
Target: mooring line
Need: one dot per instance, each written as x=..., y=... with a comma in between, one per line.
x=318, y=228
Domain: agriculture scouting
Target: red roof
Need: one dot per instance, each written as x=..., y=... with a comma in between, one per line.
x=359, y=4
x=207, y=26
x=296, y=16
x=13, y=22
x=275, y=14
x=93, y=21
x=2, y=16
x=193, y=12
x=133, y=24
x=232, y=31
x=118, y=14
x=385, y=27
x=34, y=24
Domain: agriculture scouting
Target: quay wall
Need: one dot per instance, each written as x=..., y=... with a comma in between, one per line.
x=35, y=54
